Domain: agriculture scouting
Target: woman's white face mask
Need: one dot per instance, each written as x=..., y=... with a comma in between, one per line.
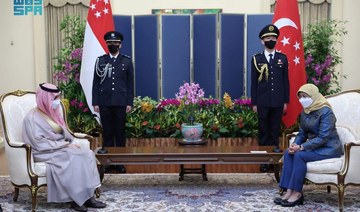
x=55, y=104
x=306, y=101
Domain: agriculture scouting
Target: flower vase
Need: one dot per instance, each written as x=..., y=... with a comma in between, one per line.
x=192, y=132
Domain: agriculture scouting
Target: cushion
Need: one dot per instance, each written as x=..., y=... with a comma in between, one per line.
x=322, y=178
x=15, y=109
x=1, y=142
x=333, y=165
x=330, y=166
x=347, y=111
x=40, y=168
x=346, y=134
x=84, y=143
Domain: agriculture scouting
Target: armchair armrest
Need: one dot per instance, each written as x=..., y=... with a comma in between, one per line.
x=350, y=170
x=291, y=137
x=82, y=137
x=21, y=163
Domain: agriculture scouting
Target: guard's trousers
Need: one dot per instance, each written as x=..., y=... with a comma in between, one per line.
x=113, y=124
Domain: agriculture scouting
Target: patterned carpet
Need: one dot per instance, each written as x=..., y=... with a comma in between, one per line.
x=163, y=192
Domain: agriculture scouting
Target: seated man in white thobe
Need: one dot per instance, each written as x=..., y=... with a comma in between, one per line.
x=71, y=171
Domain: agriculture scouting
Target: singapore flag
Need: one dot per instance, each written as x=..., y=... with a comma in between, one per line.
x=99, y=21
x=287, y=19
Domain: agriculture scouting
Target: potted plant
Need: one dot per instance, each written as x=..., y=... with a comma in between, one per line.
x=322, y=56
x=66, y=75
x=190, y=95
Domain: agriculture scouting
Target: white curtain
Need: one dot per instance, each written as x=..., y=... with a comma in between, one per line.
x=55, y=11
x=311, y=11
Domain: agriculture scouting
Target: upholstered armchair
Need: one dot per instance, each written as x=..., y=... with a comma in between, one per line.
x=24, y=172
x=345, y=170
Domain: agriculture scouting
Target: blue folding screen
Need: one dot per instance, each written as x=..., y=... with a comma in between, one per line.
x=123, y=24
x=162, y=56
x=232, y=55
x=146, y=56
x=254, y=23
x=175, y=44
x=204, y=52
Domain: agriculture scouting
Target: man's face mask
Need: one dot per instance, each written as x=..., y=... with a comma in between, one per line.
x=270, y=44
x=55, y=104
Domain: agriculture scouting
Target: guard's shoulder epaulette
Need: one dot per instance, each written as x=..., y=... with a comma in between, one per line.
x=257, y=54
x=102, y=56
x=277, y=52
x=126, y=56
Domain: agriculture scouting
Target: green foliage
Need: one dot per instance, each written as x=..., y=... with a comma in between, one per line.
x=67, y=74
x=150, y=118
x=73, y=30
x=321, y=55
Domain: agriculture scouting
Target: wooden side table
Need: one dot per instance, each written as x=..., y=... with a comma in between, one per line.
x=201, y=170
x=184, y=170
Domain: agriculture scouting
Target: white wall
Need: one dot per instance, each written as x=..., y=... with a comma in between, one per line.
x=16, y=55
x=22, y=43
x=23, y=50
x=351, y=44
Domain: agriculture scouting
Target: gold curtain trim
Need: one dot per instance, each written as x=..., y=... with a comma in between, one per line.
x=61, y=3
x=311, y=1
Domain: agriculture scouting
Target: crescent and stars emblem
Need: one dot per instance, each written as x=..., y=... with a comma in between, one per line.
x=282, y=22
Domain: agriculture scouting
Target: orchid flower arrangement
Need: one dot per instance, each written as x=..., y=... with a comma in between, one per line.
x=190, y=96
x=320, y=74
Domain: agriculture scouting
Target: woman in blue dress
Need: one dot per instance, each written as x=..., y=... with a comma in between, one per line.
x=317, y=140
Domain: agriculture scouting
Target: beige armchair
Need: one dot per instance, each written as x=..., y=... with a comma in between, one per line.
x=24, y=172
x=345, y=170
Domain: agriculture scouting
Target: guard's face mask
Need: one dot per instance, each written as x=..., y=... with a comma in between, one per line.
x=113, y=48
x=270, y=44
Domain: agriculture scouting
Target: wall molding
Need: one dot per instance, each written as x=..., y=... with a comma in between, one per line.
x=311, y=1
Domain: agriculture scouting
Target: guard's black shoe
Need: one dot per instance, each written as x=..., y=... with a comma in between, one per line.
x=109, y=169
x=102, y=151
x=121, y=169
x=264, y=168
x=271, y=167
x=277, y=149
x=93, y=203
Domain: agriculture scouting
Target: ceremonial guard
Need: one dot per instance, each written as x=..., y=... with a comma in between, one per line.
x=113, y=92
x=269, y=88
